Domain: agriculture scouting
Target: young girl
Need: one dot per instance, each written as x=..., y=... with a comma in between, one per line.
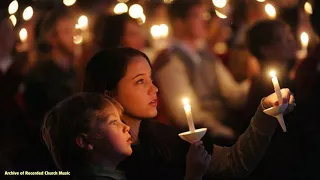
x=86, y=137
x=158, y=152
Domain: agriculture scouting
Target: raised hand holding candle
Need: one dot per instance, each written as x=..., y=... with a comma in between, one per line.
x=187, y=110
x=276, y=86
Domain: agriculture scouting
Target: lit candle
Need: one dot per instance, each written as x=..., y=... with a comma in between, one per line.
x=187, y=109
x=271, y=11
x=276, y=86
x=304, y=37
x=83, y=22
x=23, y=35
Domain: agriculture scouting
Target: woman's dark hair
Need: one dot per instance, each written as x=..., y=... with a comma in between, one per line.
x=107, y=67
x=109, y=30
x=67, y=120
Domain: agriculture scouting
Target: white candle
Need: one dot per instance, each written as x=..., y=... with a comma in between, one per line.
x=304, y=37
x=276, y=86
x=23, y=35
x=187, y=110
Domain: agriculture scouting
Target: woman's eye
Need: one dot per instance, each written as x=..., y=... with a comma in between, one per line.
x=140, y=81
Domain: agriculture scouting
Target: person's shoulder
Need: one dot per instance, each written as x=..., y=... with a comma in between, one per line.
x=152, y=124
x=162, y=58
x=40, y=70
x=157, y=131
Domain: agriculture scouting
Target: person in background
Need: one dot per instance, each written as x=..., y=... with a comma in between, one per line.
x=52, y=77
x=190, y=69
x=89, y=126
x=272, y=43
x=118, y=31
x=12, y=72
x=307, y=85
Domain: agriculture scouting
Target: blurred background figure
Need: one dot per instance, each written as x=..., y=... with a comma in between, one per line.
x=118, y=31
x=189, y=68
x=53, y=76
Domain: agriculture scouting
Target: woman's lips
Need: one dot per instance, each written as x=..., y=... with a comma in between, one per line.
x=154, y=102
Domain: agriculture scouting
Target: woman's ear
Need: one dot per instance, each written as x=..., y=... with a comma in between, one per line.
x=83, y=142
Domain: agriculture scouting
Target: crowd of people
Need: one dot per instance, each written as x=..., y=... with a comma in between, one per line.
x=114, y=111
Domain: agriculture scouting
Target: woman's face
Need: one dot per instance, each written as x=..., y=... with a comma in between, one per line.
x=132, y=36
x=136, y=91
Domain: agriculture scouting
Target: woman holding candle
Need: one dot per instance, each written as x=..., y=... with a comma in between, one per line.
x=158, y=153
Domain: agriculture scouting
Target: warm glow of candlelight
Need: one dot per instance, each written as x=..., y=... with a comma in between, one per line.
x=27, y=13
x=276, y=86
x=164, y=30
x=271, y=11
x=69, y=2
x=135, y=11
x=308, y=8
x=120, y=8
x=304, y=37
x=187, y=110
x=155, y=32
x=168, y=1
x=272, y=73
x=220, y=15
x=23, y=34
x=185, y=101
x=13, y=7
x=78, y=39
x=261, y=0
x=142, y=19
x=13, y=19
x=159, y=31
x=219, y=3
x=83, y=22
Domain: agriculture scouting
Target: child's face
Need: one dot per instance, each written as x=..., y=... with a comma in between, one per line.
x=111, y=135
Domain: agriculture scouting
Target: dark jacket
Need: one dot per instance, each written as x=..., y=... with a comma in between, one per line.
x=161, y=154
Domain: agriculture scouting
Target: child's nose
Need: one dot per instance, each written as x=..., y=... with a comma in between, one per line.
x=126, y=128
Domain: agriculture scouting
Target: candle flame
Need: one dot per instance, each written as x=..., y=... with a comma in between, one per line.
x=272, y=73
x=13, y=7
x=83, y=22
x=185, y=101
x=308, y=8
x=220, y=15
x=270, y=10
x=219, y=3
x=304, y=37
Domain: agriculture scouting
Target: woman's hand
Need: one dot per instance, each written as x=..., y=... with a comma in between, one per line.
x=198, y=161
x=272, y=100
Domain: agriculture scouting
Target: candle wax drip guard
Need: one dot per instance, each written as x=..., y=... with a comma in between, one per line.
x=195, y=136
x=277, y=112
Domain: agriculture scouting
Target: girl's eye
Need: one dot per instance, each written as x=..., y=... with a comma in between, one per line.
x=140, y=81
x=114, y=122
